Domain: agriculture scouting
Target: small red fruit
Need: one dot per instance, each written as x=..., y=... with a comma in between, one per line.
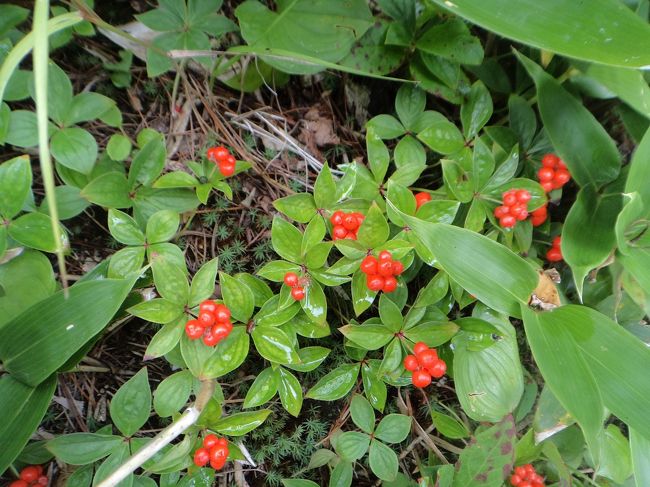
x=508, y=221
x=339, y=232
x=411, y=363
x=220, y=153
x=351, y=235
x=218, y=457
x=206, y=319
x=385, y=255
x=519, y=212
x=193, y=329
x=421, y=378
x=30, y=473
x=550, y=160
x=350, y=222
x=545, y=174
x=390, y=284
x=375, y=282
x=521, y=471
x=222, y=313
x=438, y=369
x=230, y=159
x=421, y=198
x=222, y=442
x=427, y=358
x=515, y=480
x=220, y=331
x=359, y=217
x=398, y=267
x=210, y=440
x=547, y=186
x=420, y=347
x=557, y=241
x=562, y=176
x=369, y=265
x=201, y=457
x=560, y=164
x=298, y=293
x=19, y=483
x=554, y=255
x=501, y=211
x=523, y=196
x=337, y=218
x=208, y=306
x=509, y=198
x=227, y=169
x=42, y=480
x=209, y=338
x=385, y=268
x=291, y=279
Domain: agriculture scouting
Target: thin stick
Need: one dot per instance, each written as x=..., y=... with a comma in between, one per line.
x=40, y=58
x=163, y=438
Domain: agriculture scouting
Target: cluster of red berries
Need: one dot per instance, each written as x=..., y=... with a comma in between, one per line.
x=214, y=450
x=554, y=254
x=553, y=174
x=539, y=216
x=346, y=225
x=31, y=476
x=297, y=291
x=421, y=198
x=213, y=323
x=223, y=158
x=380, y=273
x=525, y=476
x=514, y=207
x=424, y=365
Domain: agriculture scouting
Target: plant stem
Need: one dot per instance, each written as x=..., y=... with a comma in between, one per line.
x=166, y=436
x=40, y=60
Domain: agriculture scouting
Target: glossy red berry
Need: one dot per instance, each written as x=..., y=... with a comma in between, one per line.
x=385, y=268
x=509, y=198
x=222, y=442
x=557, y=241
x=350, y=222
x=411, y=363
x=550, y=160
x=521, y=472
x=218, y=457
x=427, y=358
x=523, y=196
x=369, y=265
x=208, y=306
x=209, y=338
x=508, y=221
x=298, y=293
x=206, y=319
x=501, y=211
x=420, y=347
x=30, y=473
x=554, y=255
x=562, y=176
x=19, y=483
x=359, y=217
x=375, y=282
x=547, y=186
x=339, y=232
x=390, y=284
x=351, y=235
x=220, y=153
x=220, y=331
x=193, y=329
x=210, y=440
x=398, y=267
x=421, y=198
x=421, y=378
x=230, y=159
x=291, y=279
x=337, y=218
x=227, y=169
x=515, y=480
x=201, y=457
x=545, y=174
x=222, y=313
x=561, y=164
x=438, y=369
x=43, y=480
x=385, y=255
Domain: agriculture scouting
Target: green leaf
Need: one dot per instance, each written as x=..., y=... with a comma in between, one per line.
x=335, y=384
x=490, y=458
x=88, y=106
x=298, y=483
x=131, y=404
x=315, y=304
x=165, y=339
x=74, y=148
x=109, y=190
x=15, y=184
x=290, y=392
x=274, y=345
x=23, y=129
x=477, y=110
x=378, y=155
x=640, y=450
x=108, y=466
x=81, y=477
x=286, y=239
x=383, y=461
x=314, y=234
x=374, y=230
x=262, y=389
x=310, y=358
x=203, y=282
x=83, y=448
x=433, y=292
x=22, y=409
x=615, y=461
x=162, y=226
x=410, y=102
x=240, y=423
x=352, y=445
x=628, y=84
x=640, y=170
x=522, y=120
x=40, y=340
x=484, y=268
x=393, y=428
x=341, y=476
x=609, y=35
x=362, y=414
x=148, y=163
x=119, y=147
x=299, y=207
x=582, y=250
x=170, y=280
x=370, y=336
x=385, y=126
x=373, y=386
x=582, y=143
x=390, y=314
x=237, y=296
x=452, y=40
x=276, y=269
x=362, y=297
x=157, y=310
x=126, y=261
x=228, y=355
x=325, y=194
x=448, y=426
x=124, y=229
x=172, y=393
x=35, y=230
x=442, y=136
x=180, y=179
x=264, y=29
x=408, y=153
x=68, y=202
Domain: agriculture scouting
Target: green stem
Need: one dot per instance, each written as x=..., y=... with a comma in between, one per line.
x=40, y=62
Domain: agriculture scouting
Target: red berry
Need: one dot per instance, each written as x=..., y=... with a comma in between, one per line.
x=337, y=218
x=201, y=457
x=351, y=235
x=222, y=442
x=398, y=267
x=537, y=484
x=208, y=306
x=339, y=232
x=560, y=164
x=193, y=329
x=523, y=196
x=557, y=241
x=554, y=255
x=545, y=174
x=206, y=319
x=385, y=268
x=421, y=378
x=509, y=198
x=19, y=483
x=30, y=473
x=519, y=212
x=211, y=154
x=411, y=363
x=550, y=160
x=42, y=480
x=525, y=483
x=562, y=176
x=209, y=338
x=420, y=347
x=515, y=480
x=210, y=440
x=222, y=313
x=220, y=153
x=221, y=331
x=438, y=369
x=421, y=198
x=227, y=169
x=350, y=222
x=501, y=211
x=218, y=457
x=291, y=279
x=369, y=265
x=385, y=255
x=390, y=284
x=538, y=220
x=508, y=221
x=375, y=282
x=427, y=358
x=298, y=293
x=547, y=186
x=230, y=159
x=521, y=472
x=359, y=217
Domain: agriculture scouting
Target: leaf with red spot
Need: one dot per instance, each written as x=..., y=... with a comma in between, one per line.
x=490, y=457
